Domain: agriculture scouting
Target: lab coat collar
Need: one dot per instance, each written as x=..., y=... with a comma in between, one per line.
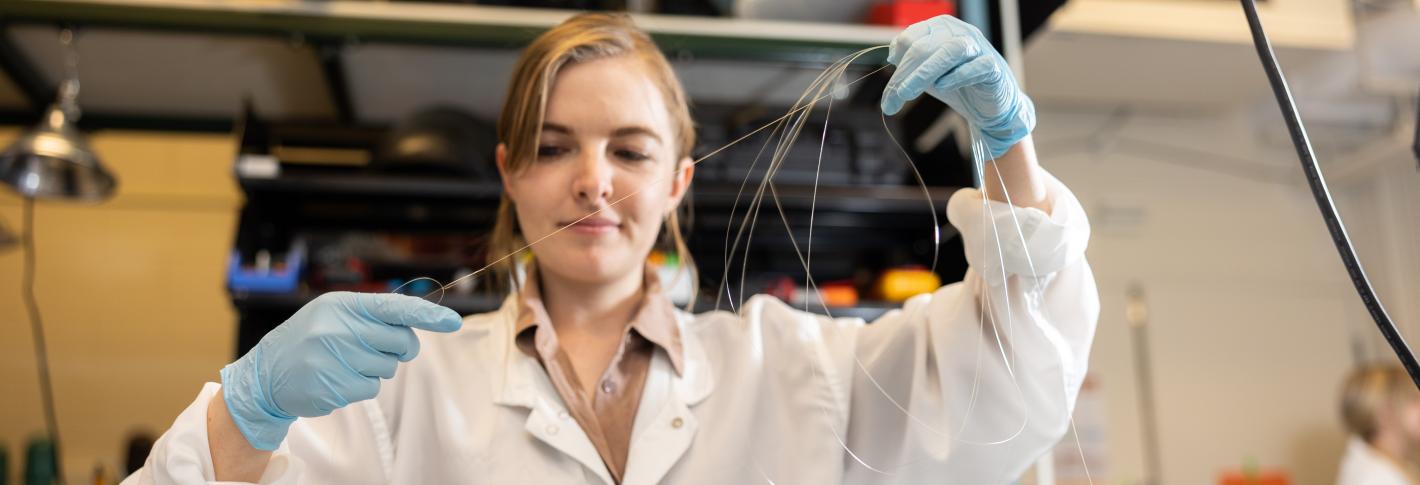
x=523, y=379
x=696, y=379
x=655, y=319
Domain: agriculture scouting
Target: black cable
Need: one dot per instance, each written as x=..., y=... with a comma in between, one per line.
x=1323, y=196
x=46, y=388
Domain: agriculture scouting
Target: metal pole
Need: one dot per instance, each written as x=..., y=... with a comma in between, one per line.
x=1136, y=312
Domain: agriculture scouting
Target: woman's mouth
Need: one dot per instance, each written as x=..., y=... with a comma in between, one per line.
x=594, y=225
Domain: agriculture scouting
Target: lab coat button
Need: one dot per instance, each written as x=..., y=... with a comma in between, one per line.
x=563, y=415
x=551, y=429
x=677, y=423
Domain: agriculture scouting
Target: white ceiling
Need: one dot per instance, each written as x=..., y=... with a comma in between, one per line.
x=1072, y=68
x=1210, y=71
x=1164, y=66
x=1311, y=24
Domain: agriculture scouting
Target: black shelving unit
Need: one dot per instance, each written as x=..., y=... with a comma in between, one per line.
x=857, y=229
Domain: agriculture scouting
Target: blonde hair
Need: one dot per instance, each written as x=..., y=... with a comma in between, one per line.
x=1370, y=391
x=582, y=38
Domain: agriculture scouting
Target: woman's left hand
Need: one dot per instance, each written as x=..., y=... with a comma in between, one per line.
x=950, y=60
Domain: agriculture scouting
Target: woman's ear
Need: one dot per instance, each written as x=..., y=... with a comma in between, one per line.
x=680, y=182
x=500, y=158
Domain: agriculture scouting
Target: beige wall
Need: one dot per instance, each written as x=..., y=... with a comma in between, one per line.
x=1252, y=316
x=131, y=292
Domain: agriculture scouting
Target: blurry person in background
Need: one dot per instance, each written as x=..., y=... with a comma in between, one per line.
x=1380, y=406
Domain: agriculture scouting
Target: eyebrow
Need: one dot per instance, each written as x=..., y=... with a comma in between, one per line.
x=557, y=128
x=619, y=132
x=635, y=130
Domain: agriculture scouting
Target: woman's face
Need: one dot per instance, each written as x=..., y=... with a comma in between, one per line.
x=606, y=139
x=1408, y=416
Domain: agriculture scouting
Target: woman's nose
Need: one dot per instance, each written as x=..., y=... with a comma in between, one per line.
x=593, y=181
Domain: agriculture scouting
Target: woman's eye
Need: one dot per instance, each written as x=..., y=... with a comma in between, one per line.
x=549, y=151
x=632, y=155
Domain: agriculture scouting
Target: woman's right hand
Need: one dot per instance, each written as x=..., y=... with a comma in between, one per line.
x=331, y=353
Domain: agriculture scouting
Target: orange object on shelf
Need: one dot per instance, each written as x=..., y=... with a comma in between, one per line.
x=839, y=294
x=1265, y=477
x=902, y=13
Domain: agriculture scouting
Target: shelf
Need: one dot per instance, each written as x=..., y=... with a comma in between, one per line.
x=373, y=185
x=863, y=199
x=873, y=199
x=457, y=25
x=464, y=305
x=468, y=305
x=868, y=311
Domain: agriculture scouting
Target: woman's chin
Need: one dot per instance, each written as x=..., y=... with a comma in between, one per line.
x=586, y=266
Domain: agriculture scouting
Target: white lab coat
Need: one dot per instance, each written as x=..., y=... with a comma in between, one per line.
x=1364, y=465
x=769, y=395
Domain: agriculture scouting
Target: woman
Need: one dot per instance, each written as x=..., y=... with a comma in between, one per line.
x=1381, y=409
x=588, y=375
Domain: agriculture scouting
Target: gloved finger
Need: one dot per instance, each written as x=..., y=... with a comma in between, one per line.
x=369, y=362
x=921, y=67
x=366, y=388
x=907, y=38
x=400, y=342
x=328, y=389
x=339, y=393
x=407, y=311
x=980, y=70
x=894, y=94
x=939, y=25
x=914, y=55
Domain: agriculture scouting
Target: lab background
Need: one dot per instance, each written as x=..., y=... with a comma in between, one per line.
x=258, y=158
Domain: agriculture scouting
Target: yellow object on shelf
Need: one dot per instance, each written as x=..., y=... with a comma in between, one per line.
x=898, y=284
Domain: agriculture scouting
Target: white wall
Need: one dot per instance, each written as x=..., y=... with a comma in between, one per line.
x=1250, y=307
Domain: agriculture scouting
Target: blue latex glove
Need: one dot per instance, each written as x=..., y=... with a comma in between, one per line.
x=953, y=62
x=332, y=352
